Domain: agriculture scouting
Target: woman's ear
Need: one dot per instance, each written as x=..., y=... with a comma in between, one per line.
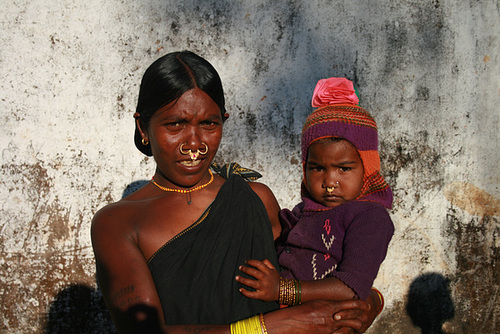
x=141, y=127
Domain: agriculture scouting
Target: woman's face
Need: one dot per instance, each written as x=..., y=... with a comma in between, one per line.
x=193, y=121
x=331, y=162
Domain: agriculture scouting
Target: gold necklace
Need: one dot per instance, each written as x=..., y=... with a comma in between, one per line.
x=185, y=191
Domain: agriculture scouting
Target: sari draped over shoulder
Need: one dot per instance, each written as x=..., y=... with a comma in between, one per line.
x=194, y=272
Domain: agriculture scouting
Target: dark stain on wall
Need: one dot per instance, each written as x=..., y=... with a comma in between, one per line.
x=35, y=282
x=52, y=255
x=477, y=279
x=251, y=126
x=421, y=31
x=413, y=154
x=422, y=93
x=472, y=199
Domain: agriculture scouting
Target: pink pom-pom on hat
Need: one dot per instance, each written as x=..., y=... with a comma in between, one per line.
x=334, y=91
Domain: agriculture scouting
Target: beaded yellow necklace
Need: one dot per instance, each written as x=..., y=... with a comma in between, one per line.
x=185, y=191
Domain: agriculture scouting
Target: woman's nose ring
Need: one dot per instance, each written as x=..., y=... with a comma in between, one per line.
x=194, y=155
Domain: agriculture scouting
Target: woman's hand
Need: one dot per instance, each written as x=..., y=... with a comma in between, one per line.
x=365, y=315
x=266, y=282
x=315, y=317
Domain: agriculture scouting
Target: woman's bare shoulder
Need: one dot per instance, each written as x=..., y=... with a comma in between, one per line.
x=117, y=217
x=272, y=207
x=261, y=189
x=126, y=207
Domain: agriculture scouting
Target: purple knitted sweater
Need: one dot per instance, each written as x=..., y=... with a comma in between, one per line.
x=348, y=242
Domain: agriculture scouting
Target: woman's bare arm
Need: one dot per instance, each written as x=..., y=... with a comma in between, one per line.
x=271, y=204
x=122, y=272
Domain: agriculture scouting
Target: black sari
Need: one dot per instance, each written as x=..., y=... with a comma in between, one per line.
x=194, y=273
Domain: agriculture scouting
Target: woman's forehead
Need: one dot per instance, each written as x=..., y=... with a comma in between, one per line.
x=193, y=103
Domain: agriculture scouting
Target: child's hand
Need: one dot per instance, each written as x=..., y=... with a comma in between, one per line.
x=266, y=283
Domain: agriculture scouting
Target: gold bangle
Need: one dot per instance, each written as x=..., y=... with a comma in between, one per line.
x=263, y=324
x=290, y=291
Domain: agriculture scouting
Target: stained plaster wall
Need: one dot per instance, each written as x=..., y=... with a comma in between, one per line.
x=427, y=70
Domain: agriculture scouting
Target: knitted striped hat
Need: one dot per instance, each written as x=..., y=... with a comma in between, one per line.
x=338, y=115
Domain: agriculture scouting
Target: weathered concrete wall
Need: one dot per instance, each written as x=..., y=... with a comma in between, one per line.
x=427, y=70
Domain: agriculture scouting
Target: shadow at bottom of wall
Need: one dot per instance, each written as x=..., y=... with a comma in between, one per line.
x=430, y=303
x=78, y=309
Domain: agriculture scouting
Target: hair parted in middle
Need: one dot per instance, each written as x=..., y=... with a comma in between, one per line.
x=167, y=78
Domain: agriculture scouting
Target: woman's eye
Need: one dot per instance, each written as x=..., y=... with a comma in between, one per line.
x=173, y=125
x=209, y=124
x=345, y=169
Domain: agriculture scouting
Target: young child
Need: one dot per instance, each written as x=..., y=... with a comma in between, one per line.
x=337, y=237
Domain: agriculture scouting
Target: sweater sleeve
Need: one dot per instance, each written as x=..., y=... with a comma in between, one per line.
x=365, y=246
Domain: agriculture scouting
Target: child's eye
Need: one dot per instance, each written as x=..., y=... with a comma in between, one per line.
x=345, y=169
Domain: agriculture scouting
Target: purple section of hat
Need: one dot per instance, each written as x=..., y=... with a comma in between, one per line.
x=362, y=137
x=383, y=197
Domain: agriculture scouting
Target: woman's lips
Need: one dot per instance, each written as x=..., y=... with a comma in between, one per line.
x=190, y=163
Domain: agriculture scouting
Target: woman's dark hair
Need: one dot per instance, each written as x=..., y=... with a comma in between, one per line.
x=167, y=79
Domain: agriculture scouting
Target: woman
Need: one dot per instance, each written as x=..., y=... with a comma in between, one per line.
x=174, y=246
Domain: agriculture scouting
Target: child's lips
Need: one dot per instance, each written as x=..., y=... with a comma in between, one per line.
x=331, y=198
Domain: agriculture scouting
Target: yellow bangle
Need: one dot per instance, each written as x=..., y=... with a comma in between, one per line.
x=250, y=325
x=263, y=324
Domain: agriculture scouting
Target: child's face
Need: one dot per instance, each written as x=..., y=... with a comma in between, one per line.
x=329, y=162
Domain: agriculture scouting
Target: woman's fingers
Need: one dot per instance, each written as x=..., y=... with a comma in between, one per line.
x=348, y=326
x=346, y=330
x=314, y=317
x=359, y=312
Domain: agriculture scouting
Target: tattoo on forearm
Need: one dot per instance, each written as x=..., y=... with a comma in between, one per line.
x=120, y=296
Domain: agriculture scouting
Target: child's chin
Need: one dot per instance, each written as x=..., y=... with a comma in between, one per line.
x=331, y=204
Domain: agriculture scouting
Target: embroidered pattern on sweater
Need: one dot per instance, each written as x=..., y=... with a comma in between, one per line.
x=328, y=242
x=328, y=229
x=315, y=273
